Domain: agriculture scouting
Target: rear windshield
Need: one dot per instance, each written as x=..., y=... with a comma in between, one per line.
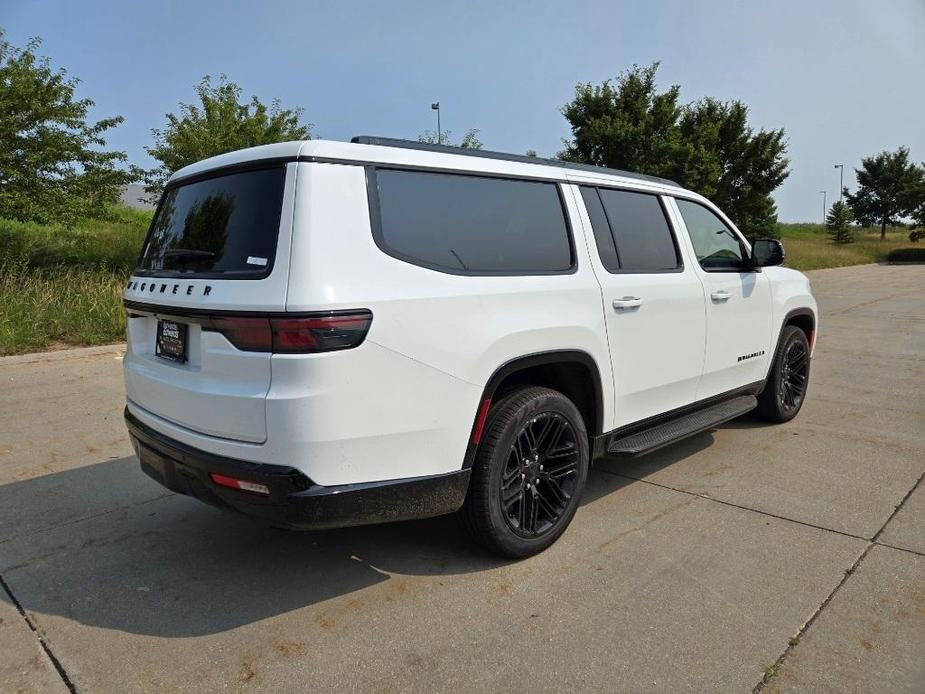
x=220, y=226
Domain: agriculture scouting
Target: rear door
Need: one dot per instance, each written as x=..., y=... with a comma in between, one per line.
x=217, y=253
x=738, y=301
x=653, y=303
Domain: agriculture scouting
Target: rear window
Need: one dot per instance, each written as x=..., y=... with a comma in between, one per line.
x=221, y=226
x=471, y=224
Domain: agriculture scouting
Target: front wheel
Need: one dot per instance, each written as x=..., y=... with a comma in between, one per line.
x=788, y=380
x=529, y=473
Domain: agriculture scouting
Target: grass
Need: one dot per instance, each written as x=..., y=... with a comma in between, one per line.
x=62, y=287
x=808, y=247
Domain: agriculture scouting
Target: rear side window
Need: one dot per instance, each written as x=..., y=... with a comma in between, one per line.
x=222, y=226
x=470, y=224
x=603, y=237
x=643, y=238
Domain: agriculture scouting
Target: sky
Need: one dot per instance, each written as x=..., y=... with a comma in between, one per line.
x=844, y=78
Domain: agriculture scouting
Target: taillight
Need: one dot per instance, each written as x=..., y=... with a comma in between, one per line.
x=248, y=334
x=319, y=333
x=296, y=335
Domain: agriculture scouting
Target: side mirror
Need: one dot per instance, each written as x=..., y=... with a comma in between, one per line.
x=766, y=252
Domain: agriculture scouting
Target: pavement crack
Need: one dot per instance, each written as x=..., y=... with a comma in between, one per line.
x=794, y=640
x=850, y=572
x=899, y=506
x=62, y=673
x=740, y=506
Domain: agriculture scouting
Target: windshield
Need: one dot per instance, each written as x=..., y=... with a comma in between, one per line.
x=226, y=225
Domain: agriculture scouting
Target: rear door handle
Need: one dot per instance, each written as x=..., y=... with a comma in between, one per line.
x=720, y=296
x=627, y=302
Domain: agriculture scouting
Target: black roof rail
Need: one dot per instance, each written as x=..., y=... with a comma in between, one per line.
x=503, y=156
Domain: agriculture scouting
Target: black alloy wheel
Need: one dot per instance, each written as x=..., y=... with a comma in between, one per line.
x=540, y=475
x=529, y=472
x=788, y=379
x=794, y=375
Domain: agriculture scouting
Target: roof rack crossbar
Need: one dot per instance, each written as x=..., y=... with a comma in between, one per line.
x=503, y=156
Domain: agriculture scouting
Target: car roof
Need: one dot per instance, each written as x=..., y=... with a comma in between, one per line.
x=406, y=153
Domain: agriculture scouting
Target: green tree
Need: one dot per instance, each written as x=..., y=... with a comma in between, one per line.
x=52, y=163
x=918, y=211
x=470, y=139
x=889, y=188
x=706, y=145
x=219, y=123
x=837, y=223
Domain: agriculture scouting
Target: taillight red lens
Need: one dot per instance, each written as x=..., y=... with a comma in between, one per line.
x=319, y=333
x=248, y=334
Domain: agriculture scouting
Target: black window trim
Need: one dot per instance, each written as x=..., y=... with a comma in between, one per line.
x=744, y=246
x=220, y=172
x=375, y=219
x=672, y=232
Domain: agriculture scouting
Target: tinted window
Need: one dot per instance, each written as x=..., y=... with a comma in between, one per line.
x=223, y=225
x=640, y=229
x=716, y=245
x=602, y=235
x=472, y=224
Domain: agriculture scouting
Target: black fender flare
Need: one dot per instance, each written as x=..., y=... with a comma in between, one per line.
x=565, y=356
x=793, y=313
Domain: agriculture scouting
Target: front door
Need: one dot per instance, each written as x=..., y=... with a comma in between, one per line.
x=653, y=303
x=737, y=298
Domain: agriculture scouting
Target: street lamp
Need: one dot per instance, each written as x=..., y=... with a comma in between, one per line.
x=824, y=206
x=841, y=180
x=436, y=107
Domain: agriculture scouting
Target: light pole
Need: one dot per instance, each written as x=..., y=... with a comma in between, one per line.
x=436, y=107
x=841, y=180
x=824, y=206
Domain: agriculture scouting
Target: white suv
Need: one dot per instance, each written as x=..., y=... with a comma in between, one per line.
x=324, y=333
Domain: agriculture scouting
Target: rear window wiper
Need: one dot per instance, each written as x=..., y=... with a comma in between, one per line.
x=188, y=253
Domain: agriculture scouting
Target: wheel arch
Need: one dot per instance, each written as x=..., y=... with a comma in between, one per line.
x=568, y=371
x=805, y=319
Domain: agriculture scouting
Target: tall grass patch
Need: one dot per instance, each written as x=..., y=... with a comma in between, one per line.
x=58, y=306
x=63, y=286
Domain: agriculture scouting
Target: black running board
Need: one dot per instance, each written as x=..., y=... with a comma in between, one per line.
x=681, y=427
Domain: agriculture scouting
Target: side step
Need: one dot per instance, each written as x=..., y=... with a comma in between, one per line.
x=681, y=427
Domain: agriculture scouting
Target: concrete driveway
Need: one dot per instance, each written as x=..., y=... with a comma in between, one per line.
x=794, y=551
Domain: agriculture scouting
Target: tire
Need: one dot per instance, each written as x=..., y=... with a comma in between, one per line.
x=547, y=478
x=788, y=380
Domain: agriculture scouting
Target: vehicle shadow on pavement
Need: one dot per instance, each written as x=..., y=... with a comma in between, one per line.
x=105, y=546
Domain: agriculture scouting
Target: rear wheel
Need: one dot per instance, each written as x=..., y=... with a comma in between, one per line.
x=529, y=473
x=788, y=379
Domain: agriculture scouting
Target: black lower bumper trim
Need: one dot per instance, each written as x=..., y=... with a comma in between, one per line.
x=294, y=500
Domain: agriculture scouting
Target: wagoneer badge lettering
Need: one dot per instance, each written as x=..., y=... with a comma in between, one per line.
x=152, y=287
x=751, y=356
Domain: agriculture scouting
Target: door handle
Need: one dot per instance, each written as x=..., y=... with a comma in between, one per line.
x=627, y=302
x=720, y=296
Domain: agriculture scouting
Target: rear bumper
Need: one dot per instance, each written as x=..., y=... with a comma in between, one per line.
x=294, y=500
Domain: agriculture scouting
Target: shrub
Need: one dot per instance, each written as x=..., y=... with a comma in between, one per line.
x=906, y=255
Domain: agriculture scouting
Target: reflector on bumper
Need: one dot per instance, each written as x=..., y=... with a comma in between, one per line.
x=243, y=485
